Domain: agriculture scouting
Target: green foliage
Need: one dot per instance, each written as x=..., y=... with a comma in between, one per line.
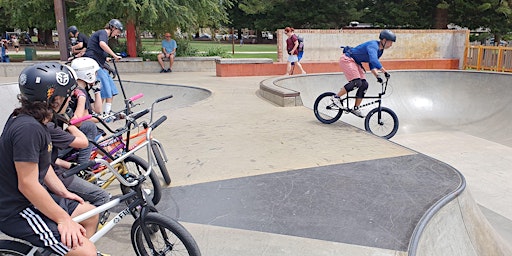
x=217, y=51
x=185, y=49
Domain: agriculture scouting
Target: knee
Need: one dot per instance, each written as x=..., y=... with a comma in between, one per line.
x=356, y=83
x=362, y=89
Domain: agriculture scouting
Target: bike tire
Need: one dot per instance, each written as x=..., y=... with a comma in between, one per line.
x=325, y=110
x=161, y=162
x=137, y=166
x=16, y=248
x=167, y=235
x=386, y=127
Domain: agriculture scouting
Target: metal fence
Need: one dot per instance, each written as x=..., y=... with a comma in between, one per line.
x=491, y=58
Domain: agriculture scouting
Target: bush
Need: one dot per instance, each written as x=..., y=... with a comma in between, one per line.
x=216, y=51
x=184, y=49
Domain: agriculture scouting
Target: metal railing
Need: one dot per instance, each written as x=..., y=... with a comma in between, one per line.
x=490, y=58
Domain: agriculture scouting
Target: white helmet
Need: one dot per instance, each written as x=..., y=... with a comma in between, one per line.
x=85, y=69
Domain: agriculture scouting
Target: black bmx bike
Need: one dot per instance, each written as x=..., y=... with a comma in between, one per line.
x=380, y=121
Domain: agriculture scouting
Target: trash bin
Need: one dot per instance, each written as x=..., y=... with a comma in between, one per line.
x=30, y=53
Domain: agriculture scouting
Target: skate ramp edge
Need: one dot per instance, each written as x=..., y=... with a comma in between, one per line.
x=459, y=229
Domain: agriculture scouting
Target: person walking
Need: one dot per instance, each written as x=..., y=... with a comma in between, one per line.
x=292, y=46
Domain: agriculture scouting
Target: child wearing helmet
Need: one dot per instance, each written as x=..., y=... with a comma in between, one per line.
x=78, y=42
x=36, y=206
x=351, y=64
x=98, y=49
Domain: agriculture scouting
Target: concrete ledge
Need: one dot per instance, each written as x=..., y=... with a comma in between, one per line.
x=244, y=61
x=181, y=64
x=279, y=95
x=131, y=65
x=279, y=68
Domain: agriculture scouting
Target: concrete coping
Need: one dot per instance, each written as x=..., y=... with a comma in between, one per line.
x=131, y=59
x=245, y=61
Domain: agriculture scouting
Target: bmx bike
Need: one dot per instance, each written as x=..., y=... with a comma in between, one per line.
x=380, y=121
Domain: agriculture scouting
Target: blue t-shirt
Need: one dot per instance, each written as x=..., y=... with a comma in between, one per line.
x=367, y=52
x=24, y=139
x=169, y=45
x=94, y=50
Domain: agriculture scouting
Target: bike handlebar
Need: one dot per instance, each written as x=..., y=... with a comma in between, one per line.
x=164, y=98
x=158, y=122
x=78, y=168
x=81, y=119
x=136, y=97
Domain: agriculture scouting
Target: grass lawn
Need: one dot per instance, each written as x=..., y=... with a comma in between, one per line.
x=245, y=51
x=151, y=45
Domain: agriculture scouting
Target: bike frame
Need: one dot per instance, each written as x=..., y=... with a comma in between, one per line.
x=384, y=86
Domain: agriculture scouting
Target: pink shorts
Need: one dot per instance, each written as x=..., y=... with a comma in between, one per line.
x=351, y=69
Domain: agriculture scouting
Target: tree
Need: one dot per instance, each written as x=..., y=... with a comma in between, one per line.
x=33, y=14
x=495, y=15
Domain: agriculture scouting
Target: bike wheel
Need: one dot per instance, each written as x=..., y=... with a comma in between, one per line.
x=16, y=248
x=383, y=123
x=167, y=236
x=326, y=111
x=161, y=162
x=137, y=166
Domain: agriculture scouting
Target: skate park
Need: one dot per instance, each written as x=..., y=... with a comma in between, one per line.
x=253, y=178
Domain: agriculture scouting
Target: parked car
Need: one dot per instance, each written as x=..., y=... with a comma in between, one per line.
x=230, y=36
x=502, y=42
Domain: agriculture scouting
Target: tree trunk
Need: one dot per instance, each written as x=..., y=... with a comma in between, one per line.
x=441, y=18
x=131, y=39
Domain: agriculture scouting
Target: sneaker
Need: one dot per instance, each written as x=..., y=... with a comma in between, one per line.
x=102, y=254
x=336, y=100
x=168, y=70
x=357, y=112
x=163, y=71
x=107, y=117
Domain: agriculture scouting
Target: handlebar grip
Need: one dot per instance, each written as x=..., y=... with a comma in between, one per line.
x=78, y=168
x=140, y=114
x=158, y=122
x=81, y=119
x=164, y=98
x=136, y=97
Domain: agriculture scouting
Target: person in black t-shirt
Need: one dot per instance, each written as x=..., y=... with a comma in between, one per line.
x=78, y=42
x=36, y=206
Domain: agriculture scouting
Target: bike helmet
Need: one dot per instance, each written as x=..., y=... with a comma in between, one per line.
x=115, y=23
x=73, y=30
x=388, y=35
x=85, y=69
x=44, y=81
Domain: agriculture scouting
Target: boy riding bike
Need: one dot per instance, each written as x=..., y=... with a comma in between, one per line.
x=351, y=64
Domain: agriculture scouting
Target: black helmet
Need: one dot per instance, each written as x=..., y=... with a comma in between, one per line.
x=72, y=30
x=44, y=81
x=116, y=24
x=388, y=35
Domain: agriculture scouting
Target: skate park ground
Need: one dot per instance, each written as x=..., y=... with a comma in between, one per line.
x=253, y=178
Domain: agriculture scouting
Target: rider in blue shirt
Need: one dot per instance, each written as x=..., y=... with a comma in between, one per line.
x=351, y=64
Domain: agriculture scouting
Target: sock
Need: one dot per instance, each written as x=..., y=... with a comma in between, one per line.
x=108, y=107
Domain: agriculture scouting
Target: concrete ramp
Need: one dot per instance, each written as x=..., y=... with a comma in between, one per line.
x=461, y=118
x=460, y=229
x=477, y=103
x=8, y=101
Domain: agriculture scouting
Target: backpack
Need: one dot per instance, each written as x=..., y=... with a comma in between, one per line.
x=301, y=43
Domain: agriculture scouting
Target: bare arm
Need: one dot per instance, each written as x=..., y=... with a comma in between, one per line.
x=80, y=140
x=72, y=233
x=107, y=49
